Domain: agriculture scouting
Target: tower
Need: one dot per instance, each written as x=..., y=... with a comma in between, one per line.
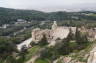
x=54, y=26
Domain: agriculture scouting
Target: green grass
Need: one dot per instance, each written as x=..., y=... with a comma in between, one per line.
x=73, y=44
x=39, y=60
x=32, y=51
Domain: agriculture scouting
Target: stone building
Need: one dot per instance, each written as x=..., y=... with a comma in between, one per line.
x=56, y=32
x=37, y=34
x=61, y=32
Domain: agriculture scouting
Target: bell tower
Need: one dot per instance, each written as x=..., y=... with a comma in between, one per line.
x=54, y=26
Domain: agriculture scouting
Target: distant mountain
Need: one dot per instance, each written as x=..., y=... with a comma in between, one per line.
x=11, y=15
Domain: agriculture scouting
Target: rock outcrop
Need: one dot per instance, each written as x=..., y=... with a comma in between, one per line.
x=92, y=57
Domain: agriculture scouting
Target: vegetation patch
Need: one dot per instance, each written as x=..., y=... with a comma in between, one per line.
x=32, y=51
x=40, y=60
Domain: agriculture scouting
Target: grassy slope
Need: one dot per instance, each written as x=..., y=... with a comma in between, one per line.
x=32, y=51
x=41, y=61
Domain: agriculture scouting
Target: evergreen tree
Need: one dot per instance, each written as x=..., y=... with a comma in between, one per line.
x=62, y=47
x=84, y=38
x=80, y=38
x=70, y=36
x=6, y=48
x=43, y=41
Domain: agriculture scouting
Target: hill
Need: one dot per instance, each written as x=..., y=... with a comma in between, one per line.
x=8, y=15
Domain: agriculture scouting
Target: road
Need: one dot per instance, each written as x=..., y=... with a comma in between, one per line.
x=26, y=42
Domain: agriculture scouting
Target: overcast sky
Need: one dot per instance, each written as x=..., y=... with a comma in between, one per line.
x=50, y=5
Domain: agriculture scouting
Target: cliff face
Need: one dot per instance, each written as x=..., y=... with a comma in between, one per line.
x=87, y=55
x=92, y=57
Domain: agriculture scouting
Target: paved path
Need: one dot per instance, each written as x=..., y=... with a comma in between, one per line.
x=26, y=42
x=32, y=60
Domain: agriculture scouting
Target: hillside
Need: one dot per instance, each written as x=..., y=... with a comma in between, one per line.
x=11, y=15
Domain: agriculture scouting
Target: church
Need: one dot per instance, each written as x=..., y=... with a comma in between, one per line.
x=54, y=33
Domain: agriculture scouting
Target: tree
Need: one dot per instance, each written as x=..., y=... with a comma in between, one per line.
x=70, y=36
x=11, y=59
x=78, y=36
x=49, y=53
x=81, y=38
x=62, y=47
x=6, y=48
x=43, y=41
x=85, y=38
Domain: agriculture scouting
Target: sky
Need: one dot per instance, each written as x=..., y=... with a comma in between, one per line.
x=50, y=5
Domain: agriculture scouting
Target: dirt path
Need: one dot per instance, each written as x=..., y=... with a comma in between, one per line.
x=32, y=60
